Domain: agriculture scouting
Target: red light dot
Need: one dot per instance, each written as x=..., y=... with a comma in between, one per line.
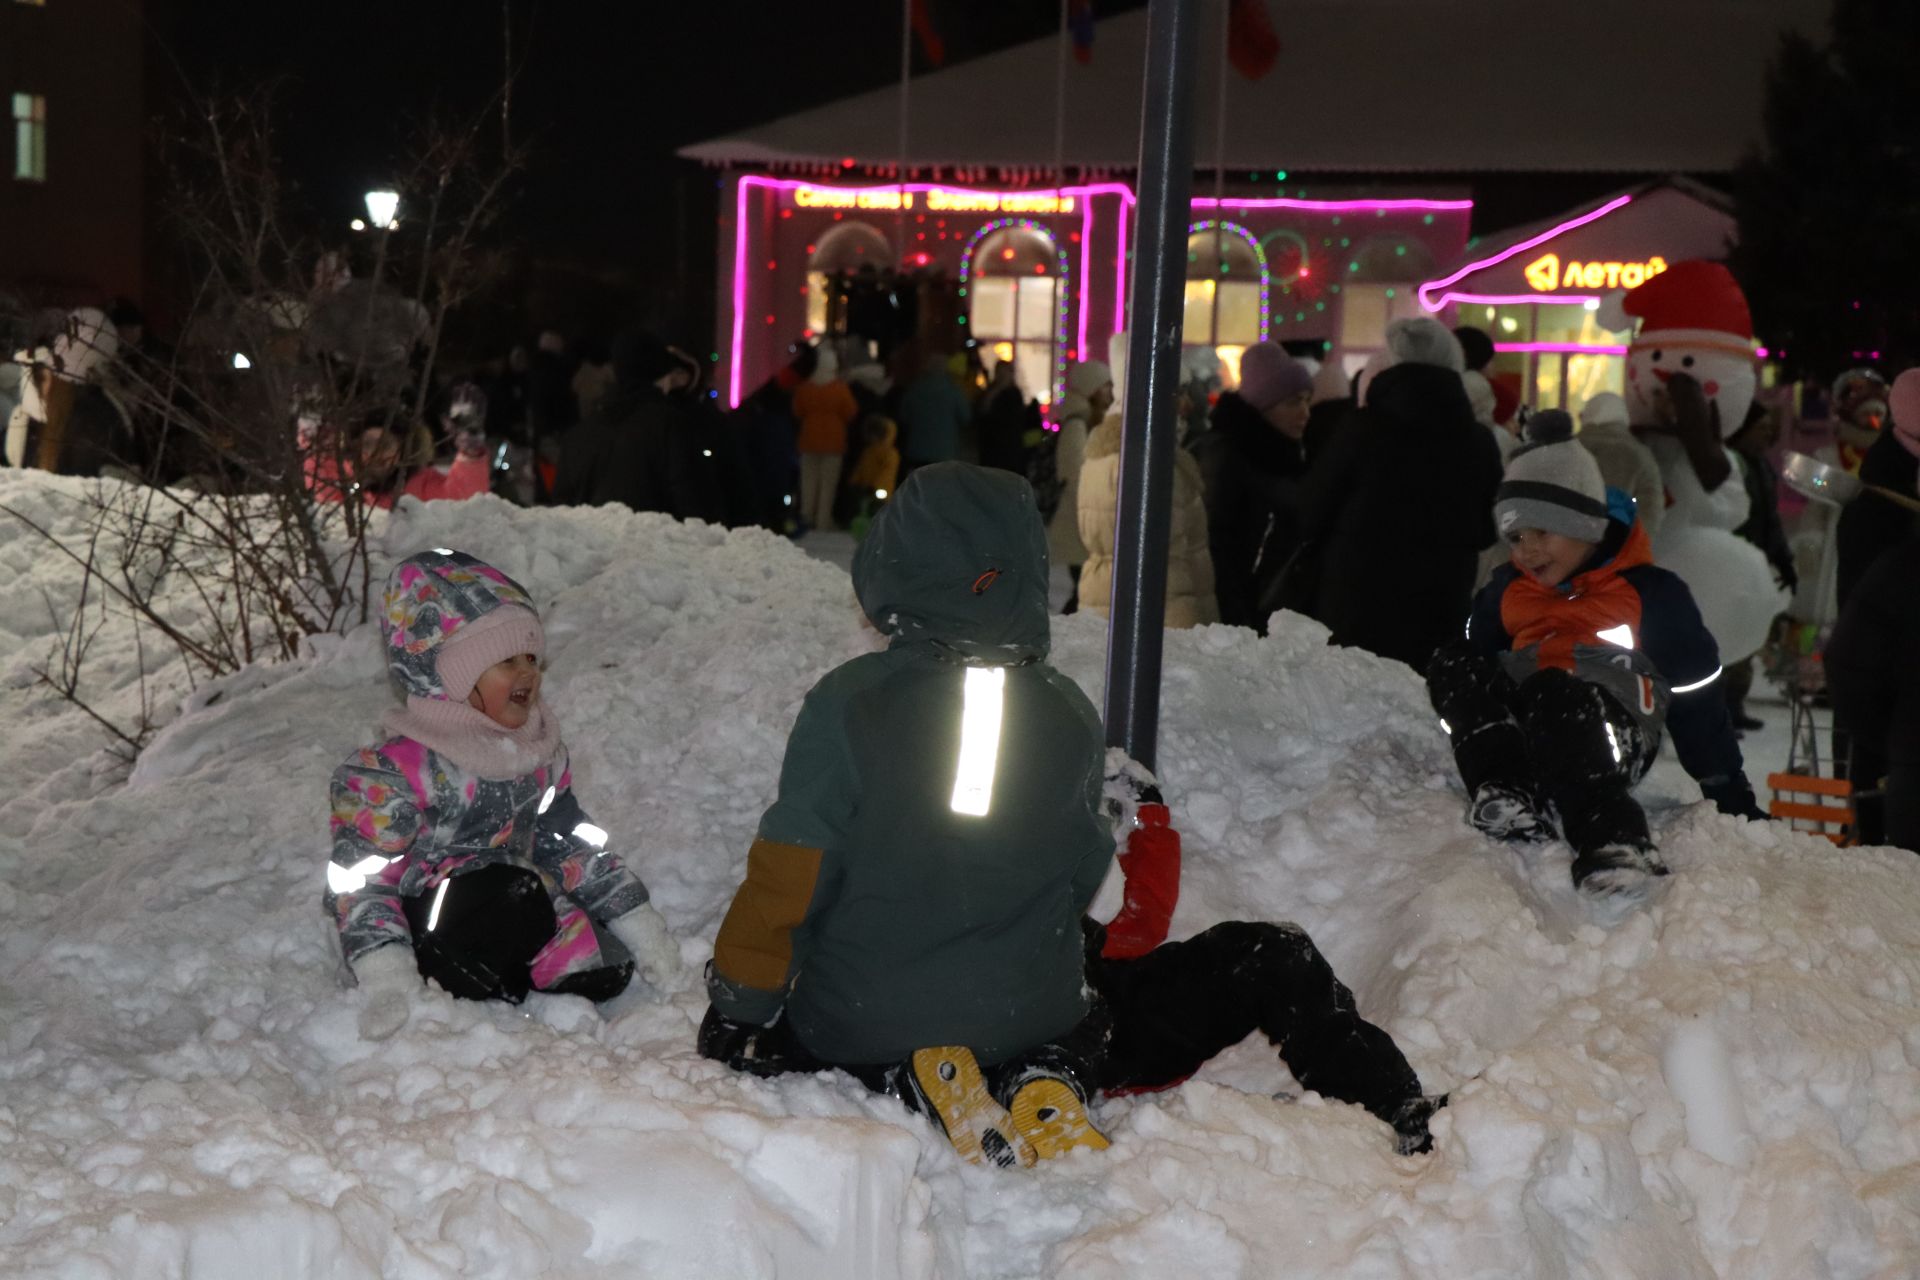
x=837, y=217
x=1304, y=273
x=810, y=250
x=846, y=162
x=771, y=264
x=940, y=223
x=786, y=213
x=920, y=217
x=769, y=319
x=1039, y=268
x=1075, y=237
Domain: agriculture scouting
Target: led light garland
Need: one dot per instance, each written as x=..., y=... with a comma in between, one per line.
x=1059, y=293
x=1259, y=257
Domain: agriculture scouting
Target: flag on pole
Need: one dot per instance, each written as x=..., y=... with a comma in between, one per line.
x=929, y=36
x=1080, y=24
x=1252, y=46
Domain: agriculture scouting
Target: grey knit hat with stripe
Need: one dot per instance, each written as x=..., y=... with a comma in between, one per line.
x=1552, y=483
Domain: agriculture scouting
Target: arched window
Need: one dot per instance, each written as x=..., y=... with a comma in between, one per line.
x=839, y=253
x=1227, y=284
x=1014, y=283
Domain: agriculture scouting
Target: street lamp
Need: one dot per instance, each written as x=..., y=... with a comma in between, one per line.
x=381, y=208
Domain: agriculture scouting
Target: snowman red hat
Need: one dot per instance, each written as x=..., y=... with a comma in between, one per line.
x=1692, y=304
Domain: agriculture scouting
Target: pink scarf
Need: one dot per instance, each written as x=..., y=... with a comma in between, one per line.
x=473, y=740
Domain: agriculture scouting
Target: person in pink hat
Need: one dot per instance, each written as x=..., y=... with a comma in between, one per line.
x=460, y=854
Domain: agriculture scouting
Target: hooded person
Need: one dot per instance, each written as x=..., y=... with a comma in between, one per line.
x=912, y=907
x=1877, y=521
x=1251, y=464
x=460, y=853
x=1401, y=505
x=87, y=428
x=1083, y=408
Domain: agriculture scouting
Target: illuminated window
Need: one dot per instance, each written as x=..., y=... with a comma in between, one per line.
x=1016, y=298
x=1226, y=291
x=30, y=137
x=841, y=253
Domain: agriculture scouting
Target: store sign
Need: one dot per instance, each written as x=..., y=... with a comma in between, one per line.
x=1547, y=274
x=935, y=199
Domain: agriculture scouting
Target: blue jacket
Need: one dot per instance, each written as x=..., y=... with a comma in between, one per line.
x=1632, y=628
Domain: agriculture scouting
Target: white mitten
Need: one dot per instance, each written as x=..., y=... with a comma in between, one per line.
x=655, y=953
x=387, y=976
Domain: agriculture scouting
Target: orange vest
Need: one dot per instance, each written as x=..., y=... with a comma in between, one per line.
x=1588, y=606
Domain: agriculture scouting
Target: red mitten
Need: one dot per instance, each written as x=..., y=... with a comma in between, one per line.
x=1151, y=865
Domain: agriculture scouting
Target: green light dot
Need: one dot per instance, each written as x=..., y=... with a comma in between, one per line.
x=1333, y=288
x=1280, y=176
x=1399, y=251
x=963, y=319
x=1336, y=220
x=1299, y=315
x=1345, y=243
x=1428, y=219
x=1321, y=306
x=1353, y=266
x=1328, y=244
x=963, y=293
x=1389, y=293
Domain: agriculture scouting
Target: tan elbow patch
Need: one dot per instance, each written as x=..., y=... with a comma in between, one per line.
x=755, y=946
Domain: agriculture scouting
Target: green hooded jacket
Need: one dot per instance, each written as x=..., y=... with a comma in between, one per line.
x=920, y=879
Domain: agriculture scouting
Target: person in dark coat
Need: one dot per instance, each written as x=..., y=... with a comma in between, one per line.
x=1872, y=524
x=1873, y=672
x=1402, y=504
x=1252, y=465
x=637, y=451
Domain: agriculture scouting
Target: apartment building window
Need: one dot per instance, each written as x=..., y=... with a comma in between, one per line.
x=30, y=137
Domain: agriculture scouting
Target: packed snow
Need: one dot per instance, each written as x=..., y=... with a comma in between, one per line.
x=1723, y=1084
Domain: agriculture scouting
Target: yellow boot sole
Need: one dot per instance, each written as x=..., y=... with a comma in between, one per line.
x=1050, y=1115
x=978, y=1127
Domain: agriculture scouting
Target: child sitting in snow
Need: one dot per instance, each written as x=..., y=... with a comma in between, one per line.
x=912, y=907
x=1579, y=654
x=459, y=851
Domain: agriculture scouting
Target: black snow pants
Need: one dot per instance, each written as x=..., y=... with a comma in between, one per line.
x=480, y=942
x=1562, y=740
x=1156, y=1018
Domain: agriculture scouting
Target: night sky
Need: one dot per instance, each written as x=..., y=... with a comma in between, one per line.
x=607, y=91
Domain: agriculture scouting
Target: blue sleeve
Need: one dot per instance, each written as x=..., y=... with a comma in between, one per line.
x=1485, y=631
x=1677, y=642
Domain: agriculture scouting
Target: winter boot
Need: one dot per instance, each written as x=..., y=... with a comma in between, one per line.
x=1617, y=871
x=1409, y=1121
x=949, y=1087
x=1508, y=812
x=1049, y=1110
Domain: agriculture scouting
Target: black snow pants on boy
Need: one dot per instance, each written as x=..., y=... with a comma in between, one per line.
x=477, y=935
x=1550, y=740
x=1158, y=1017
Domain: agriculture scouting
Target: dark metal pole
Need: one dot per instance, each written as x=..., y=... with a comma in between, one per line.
x=1139, y=605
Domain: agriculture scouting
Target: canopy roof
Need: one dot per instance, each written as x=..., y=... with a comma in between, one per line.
x=1361, y=86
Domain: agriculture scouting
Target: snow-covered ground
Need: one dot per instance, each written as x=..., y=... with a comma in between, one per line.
x=1723, y=1085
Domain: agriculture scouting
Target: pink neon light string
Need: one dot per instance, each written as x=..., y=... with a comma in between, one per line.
x=739, y=293
x=1518, y=299
x=1086, y=269
x=1569, y=225
x=1559, y=348
x=1339, y=206
x=1120, y=275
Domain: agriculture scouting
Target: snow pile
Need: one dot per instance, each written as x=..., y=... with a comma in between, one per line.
x=1723, y=1085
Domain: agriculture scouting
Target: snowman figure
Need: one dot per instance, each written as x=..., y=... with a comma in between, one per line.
x=1690, y=381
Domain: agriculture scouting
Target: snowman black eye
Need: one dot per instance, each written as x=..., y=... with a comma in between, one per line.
x=1686, y=362
x=1656, y=356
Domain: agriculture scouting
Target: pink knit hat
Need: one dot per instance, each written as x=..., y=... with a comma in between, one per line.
x=494, y=637
x=1269, y=375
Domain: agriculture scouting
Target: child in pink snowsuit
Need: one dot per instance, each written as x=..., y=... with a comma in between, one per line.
x=459, y=851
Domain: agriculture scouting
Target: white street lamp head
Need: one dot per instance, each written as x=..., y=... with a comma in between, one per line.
x=382, y=206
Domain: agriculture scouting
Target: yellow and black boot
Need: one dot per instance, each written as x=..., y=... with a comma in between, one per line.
x=949, y=1087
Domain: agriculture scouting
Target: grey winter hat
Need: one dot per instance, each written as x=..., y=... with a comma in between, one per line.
x=1552, y=483
x=1424, y=340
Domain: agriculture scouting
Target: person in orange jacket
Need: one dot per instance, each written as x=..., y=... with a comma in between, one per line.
x=825, y=408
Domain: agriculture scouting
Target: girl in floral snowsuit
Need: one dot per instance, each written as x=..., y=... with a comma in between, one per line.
x=459, y=851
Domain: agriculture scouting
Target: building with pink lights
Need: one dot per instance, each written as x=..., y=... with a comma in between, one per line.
x=1039, y=275
x=1375, y=173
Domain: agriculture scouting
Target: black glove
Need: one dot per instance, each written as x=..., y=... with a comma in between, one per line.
x=724, y=1040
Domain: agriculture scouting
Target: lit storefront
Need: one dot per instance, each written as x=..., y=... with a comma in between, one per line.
x=1536, y=290
x=1040, y=277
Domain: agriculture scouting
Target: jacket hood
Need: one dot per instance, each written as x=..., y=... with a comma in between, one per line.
x=429, y=598
x=959, y=558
